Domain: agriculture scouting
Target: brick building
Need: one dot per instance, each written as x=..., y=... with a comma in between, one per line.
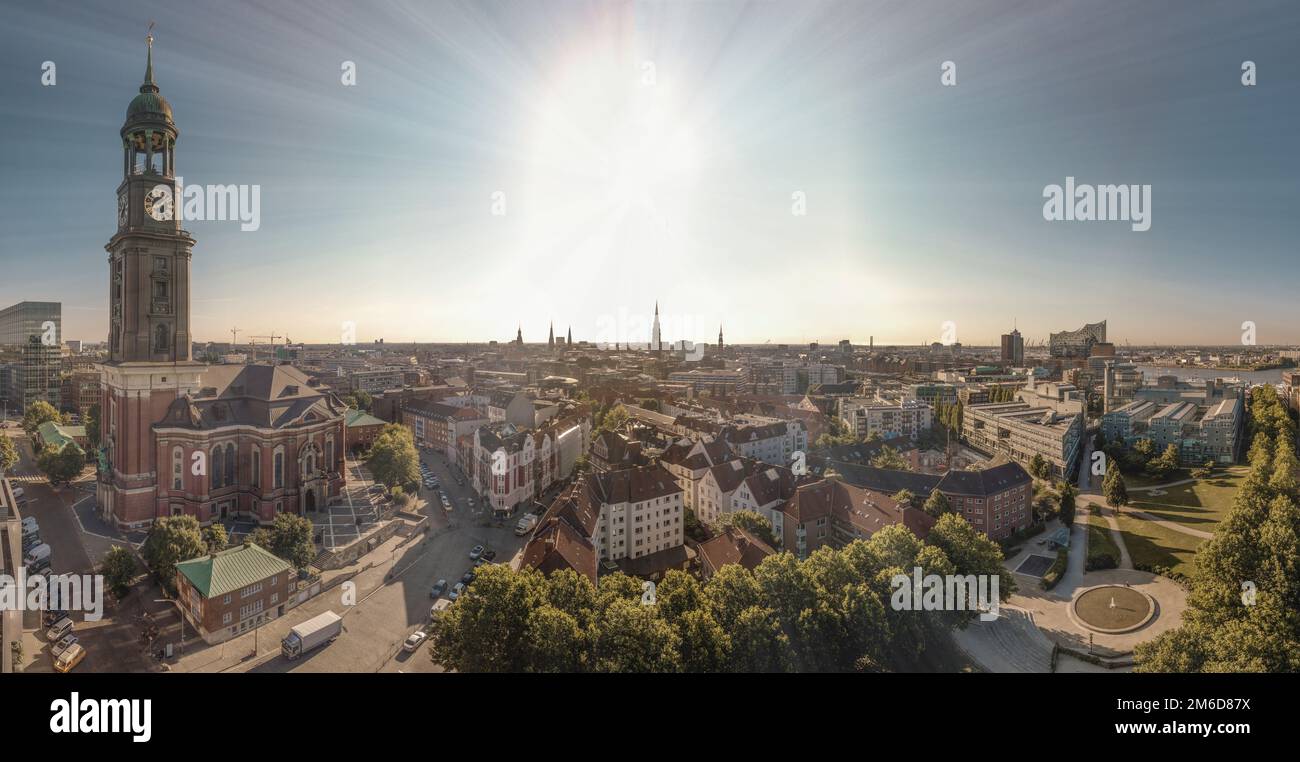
x=225, y=594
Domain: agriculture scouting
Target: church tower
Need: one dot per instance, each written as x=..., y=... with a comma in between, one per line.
x=149, y=358
x=656, y=343
x=721, y=345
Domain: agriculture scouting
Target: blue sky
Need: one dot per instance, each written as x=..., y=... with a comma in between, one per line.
x=924, y=202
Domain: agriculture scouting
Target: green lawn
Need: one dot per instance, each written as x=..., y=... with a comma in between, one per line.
x=1152, y=546
x=1199, y=505
x=1101, y=544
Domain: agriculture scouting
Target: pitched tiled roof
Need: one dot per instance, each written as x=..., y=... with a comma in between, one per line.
x=887, y=480
x=733, y=546
x=266, y=396
x=866, y=510
x=987, y=482
x=231, y=569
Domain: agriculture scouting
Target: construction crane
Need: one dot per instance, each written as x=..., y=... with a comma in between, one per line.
x=234, y=338
x=272, y=337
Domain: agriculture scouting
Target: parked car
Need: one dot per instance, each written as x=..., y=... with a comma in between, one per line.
x=468, y=577
x=489, y=555
x=18, y=492
x=53, y=615
x=58, y=630
x=475, y=552
x=40, y=567
x=456, y=591
x=66, y=642
x=438, y=589
x=414, y=640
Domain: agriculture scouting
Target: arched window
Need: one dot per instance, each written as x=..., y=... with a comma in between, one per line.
x=329, y=454
x=178, y=467
x=257, y=467
x=218, y=460
x=161, y=338
x=278, y=469
x=230, y=465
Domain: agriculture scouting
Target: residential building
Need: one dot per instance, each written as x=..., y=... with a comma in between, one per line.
x=834, y=513
x=731, y=546
x=867, y=416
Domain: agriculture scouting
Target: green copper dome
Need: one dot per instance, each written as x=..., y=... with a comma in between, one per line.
x=149, y=103
x=146, y=104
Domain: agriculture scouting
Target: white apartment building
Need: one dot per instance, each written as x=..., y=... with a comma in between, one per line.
x=866, y=416
x=641, y=512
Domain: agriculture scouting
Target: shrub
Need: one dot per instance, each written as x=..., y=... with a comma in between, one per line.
x=1057, y=571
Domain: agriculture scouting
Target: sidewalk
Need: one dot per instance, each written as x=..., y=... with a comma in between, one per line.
x=369, y=574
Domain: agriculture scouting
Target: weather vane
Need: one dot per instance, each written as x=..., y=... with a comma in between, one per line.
x=149, y=39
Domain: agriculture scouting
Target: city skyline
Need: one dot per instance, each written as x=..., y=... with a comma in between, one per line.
x=618, y=192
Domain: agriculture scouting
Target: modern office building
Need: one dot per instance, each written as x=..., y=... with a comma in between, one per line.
x=30, y=337
x=1013, y=348
x=1020, y=431
x=1120, y=382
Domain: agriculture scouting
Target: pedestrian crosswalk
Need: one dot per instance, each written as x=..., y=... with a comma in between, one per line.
x=26, y=479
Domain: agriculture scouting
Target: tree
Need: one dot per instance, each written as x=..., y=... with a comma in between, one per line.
x=172, y=539
x=61, y=465
x=1068, y=493
x=937, y=504
x=16, y=652
x=290, y=539
x=1143, y=451
x=393, y=458
x=363, y=399
x=889, y=458
x=614, y=419
x=37, y=413
x=1038, y=467
x=1099, y=441
x=8, y=454
x=214, y=537
x=1114, y=489
x=92, y=426
x=754, y=523
x=905, y=498
x=118, y=568
x=1230, y=626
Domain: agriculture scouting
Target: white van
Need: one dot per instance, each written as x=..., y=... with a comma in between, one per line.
x=30, y=530
x=58, y=630
x=18, y=492
x=30, y=521
x=38, y=553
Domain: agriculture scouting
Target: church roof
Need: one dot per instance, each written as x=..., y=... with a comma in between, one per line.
x=149, y=103
x=266, y=396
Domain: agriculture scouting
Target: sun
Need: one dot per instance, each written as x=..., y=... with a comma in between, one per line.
x=610, y=153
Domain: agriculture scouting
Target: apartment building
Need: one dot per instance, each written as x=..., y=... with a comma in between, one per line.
x=867, y=416
x=228, y=593
x=1124, y=424
x=996, y=501
x=835, y=513
x=375, y=380
x=438, y=425
x=714, y=381
x=633, y=517
x=742, y=484
x=687, y=460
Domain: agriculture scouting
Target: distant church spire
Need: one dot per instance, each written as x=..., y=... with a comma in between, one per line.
x=569, y=341
x=519, y=334
x=550, y=337
x=720, y=344
x=656, y=341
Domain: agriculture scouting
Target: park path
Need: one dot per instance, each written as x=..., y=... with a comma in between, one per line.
x=1124, y=560
x=1172, y=525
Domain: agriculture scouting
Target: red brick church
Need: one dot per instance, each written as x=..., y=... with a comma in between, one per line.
x=179, y=436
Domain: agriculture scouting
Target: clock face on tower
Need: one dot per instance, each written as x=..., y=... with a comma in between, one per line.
x=158, y=203
x=121, y=210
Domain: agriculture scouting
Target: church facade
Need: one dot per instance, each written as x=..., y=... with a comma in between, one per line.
x=179, y=437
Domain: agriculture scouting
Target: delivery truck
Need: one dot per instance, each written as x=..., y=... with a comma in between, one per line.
x=314, y=632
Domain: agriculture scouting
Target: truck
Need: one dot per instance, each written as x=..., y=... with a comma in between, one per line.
x=525, y=524
x=314, y=632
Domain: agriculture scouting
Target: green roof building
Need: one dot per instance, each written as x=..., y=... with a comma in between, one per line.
x=227, y=593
